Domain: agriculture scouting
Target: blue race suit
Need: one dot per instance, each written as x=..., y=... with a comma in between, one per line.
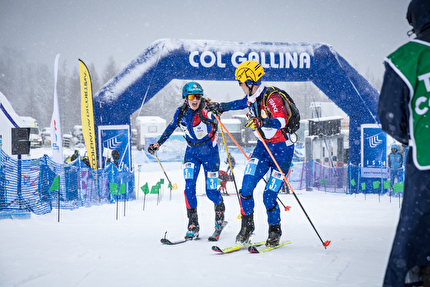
x=201, y=150
x=274, y=116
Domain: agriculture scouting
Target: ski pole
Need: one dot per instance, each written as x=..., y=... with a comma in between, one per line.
x=324, y=243
x=229, y=161
x=286, y=208
x=174, y=186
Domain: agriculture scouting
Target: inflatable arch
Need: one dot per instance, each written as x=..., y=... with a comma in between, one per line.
x=166, y=60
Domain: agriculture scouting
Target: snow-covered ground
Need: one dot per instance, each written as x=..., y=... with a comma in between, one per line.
x=89, y=247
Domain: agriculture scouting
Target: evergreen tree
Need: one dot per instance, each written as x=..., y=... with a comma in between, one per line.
x=110, y=70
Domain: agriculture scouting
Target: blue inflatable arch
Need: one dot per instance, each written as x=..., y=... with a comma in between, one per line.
x=169, y=59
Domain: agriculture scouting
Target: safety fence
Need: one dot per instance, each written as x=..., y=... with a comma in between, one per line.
x=25, y=185
x=346, y=178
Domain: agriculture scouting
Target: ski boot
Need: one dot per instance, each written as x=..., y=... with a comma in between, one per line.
x=275, y=233
x=219, y=221
x=246, y=229
x=193, y=224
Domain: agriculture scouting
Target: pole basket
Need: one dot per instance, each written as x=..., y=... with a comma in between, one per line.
x=325, y=244
x=287, y=208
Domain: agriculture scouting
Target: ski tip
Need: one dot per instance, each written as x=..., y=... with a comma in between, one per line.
x=216, y=249
x=253, y=249
x=165, y=241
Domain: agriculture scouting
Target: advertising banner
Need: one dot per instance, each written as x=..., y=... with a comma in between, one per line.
x=373, y=151
x=114, y=138
x=87, y=114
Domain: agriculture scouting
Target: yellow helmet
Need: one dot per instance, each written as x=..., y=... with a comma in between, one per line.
x=249, y=71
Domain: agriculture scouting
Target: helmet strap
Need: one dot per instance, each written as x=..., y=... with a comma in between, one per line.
x=250, y=88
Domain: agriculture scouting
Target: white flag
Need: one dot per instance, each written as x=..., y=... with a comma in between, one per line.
x=56, y=136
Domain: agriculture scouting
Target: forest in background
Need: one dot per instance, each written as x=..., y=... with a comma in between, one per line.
x=30, y=89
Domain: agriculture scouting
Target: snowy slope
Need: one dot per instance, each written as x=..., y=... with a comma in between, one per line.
x=90, y=248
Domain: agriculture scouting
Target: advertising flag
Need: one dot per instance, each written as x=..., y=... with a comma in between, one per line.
x=87, y=114
x=56, y=135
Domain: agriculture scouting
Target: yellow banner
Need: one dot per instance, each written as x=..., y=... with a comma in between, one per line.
x=87, y=114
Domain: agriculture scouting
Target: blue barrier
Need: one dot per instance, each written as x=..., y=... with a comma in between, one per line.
x=79, y=185
x=82, y=186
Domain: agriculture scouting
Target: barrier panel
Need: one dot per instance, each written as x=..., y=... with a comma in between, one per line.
x=25, y=185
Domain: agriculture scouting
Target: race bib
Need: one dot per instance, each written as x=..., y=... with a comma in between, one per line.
x=251, y=167
x=275, y=181
x=212, y=180
x=189, y=170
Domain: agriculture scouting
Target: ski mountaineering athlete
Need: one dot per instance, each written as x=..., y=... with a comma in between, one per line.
x=403, y=110
x=200, y=128
x=268, y=120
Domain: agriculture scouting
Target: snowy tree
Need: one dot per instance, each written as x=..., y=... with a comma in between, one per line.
x=110, y=70
x=74, y=99
x=95, y=79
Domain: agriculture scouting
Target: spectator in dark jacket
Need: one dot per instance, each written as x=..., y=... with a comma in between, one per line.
x=404, y=113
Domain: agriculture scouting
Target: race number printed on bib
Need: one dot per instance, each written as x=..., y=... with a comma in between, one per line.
x=251, y=167
x=275, y=181
x=212, y=180
x=189, y=170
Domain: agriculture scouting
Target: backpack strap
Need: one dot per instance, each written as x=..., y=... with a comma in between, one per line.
x=202, y=119
x=269, y=91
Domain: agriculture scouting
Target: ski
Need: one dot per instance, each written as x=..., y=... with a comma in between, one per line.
x=235, y=247
x=255, y=249
x=217, y=232
x=168, y=242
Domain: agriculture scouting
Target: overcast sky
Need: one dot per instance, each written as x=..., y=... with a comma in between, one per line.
x=362, y=31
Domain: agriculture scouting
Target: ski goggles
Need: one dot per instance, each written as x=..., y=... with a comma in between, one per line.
x=249, y=83
x=193, y=96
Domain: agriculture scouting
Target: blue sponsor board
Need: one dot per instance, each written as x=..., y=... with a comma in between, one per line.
x=373, y=151
x=114, y=138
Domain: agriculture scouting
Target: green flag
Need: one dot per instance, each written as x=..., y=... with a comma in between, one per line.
x=352, y=182
x=122, y=188
x=363, y=186
x=322, y=181
x=387, y=184
x=55, y=184
x=376, y=184
x=154, y=189
x=145, y=188
x=113, y=188
x=398, y=187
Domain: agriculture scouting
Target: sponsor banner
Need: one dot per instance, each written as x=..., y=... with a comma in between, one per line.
x=56, y=135
x=373, y=151
x=87, y=114
x=114, y=138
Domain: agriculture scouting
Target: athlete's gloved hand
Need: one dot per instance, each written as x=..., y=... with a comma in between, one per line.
x=214, y=108
x=253, y=123
x=153, y=148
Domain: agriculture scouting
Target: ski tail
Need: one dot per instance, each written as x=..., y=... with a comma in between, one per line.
x=255, y=249
x=235, y=247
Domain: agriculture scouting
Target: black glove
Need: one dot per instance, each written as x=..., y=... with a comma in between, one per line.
x=153, y=148
x=214, y=108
